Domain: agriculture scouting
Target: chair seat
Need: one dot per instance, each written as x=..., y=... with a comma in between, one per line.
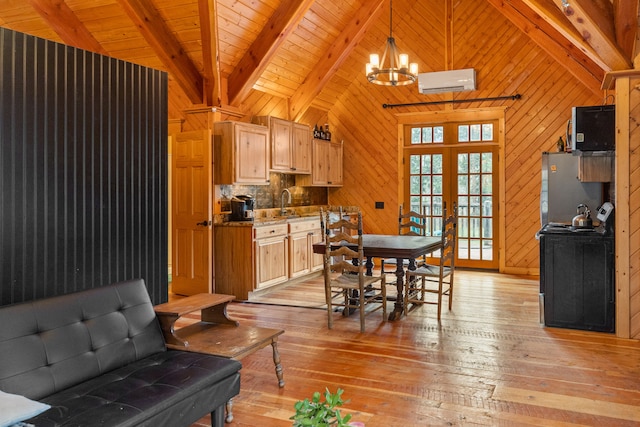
x=429, y=270
x=350, y=281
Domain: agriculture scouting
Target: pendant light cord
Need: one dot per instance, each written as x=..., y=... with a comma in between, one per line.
x=390, y=18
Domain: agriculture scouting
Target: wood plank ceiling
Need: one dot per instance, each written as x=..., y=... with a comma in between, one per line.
x=217, y=51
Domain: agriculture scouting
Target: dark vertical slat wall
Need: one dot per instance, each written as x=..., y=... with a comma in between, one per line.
x=83, y=158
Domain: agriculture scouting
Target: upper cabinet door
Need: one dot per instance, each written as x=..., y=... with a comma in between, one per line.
x=301, y=149
x=252, y=160
x=281, y=136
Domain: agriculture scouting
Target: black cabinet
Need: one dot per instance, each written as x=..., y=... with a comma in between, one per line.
x=577, y=280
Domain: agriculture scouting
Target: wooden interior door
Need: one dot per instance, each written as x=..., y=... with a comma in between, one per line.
x=191, y=189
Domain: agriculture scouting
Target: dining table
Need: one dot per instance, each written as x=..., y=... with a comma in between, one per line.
x=396, y=246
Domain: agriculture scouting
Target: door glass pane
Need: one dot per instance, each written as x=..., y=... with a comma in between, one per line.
x=487, y=132
x=414, y=164
x=427, y=135
x=463, y=133
x=474, y=132
x=415, y=136
x=438, y=134
x=426, y=164
x=426, y=184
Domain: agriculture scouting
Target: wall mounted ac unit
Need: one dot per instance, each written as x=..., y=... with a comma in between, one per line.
x=447, y=81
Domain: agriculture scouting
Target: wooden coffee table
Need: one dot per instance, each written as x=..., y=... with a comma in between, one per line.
x=215, y=333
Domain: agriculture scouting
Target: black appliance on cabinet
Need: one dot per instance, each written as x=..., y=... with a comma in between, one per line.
x=593, y=128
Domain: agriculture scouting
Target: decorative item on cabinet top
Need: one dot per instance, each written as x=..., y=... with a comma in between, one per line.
x=290, y=144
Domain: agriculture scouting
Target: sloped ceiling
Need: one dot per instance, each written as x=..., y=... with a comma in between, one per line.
x=308, y=51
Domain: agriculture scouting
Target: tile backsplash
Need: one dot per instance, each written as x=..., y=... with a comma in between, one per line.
x=268, y=196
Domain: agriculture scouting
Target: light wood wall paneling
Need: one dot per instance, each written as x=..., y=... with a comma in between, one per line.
x=634, y=209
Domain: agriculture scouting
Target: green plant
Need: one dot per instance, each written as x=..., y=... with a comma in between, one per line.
x=319, y=413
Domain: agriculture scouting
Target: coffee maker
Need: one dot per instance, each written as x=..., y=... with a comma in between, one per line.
x=242, y=208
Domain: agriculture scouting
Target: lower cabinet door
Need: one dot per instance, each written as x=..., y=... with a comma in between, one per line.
x=298, y=254
x=271, y=261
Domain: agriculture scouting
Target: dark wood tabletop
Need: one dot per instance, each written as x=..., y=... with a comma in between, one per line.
x=393, y=246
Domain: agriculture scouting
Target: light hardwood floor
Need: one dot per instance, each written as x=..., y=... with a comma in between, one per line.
x=488, y=363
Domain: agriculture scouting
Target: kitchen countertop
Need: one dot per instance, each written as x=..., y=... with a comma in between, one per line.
x=271, y=220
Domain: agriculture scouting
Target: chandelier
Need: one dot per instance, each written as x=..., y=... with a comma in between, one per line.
x=398, y=72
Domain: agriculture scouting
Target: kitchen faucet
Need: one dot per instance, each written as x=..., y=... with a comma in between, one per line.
x=283, y=212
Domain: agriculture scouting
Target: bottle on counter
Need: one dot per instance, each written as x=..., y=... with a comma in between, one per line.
x=327, y=134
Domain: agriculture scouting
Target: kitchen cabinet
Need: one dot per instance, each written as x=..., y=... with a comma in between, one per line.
x=249, y=257
x=290, y=145
x=596, y=167
x=302, y=235
x=577, y=280
x=253, y=256
x=271, y=255
x=241, y=153
x=326, y=165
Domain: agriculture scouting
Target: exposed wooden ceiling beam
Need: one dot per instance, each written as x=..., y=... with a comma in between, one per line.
x=626, y=22
x=66, y=24
x=581, y=66
x=333, y=58
x=256, y=59
x=154, y=29
x=594, y=21
x=548, y=11
x=208, y=10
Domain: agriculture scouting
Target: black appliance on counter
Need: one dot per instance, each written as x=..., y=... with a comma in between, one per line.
x=242, y=208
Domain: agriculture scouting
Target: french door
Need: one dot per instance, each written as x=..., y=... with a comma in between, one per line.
x=456, y=162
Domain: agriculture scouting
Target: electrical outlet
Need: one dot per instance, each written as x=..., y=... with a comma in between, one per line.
x=379, y=205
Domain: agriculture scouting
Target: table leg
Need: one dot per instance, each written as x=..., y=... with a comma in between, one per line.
x=369, y=265
x=229, y=410
x=276, y=361
x=398, y=306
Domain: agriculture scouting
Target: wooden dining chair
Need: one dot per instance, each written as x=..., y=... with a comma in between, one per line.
x=345, y=282
x=435, y=279
x=411, y=223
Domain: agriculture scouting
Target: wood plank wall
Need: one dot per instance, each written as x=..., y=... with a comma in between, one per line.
x=634, y=209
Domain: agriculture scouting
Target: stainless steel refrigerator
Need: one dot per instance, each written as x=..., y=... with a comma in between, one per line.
x=562, y=192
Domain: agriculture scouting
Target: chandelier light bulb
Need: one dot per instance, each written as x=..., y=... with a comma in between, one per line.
x=374, y=61
x=403, y=60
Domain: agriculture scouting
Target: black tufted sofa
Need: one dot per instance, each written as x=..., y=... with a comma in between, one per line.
x=98, y=358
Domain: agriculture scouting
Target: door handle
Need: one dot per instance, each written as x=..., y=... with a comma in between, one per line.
x=203, y=223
